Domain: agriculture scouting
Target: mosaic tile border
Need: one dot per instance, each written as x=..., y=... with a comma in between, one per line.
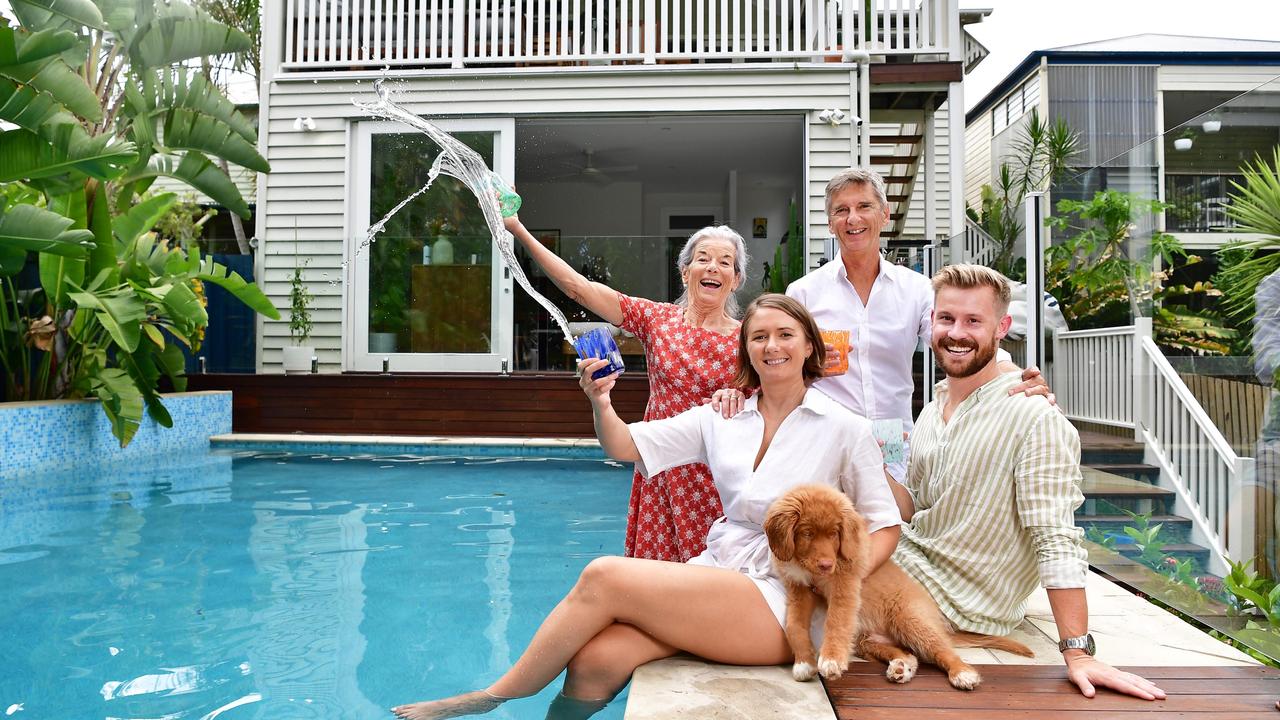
x=426, y=446
x=63, y=435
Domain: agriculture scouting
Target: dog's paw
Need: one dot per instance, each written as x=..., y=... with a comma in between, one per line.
x=831, y=668
x=901, y=670
x=967, y=679
x=803, y=671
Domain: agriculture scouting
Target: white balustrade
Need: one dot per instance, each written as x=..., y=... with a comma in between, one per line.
x=1093, y=375
x=458, y=33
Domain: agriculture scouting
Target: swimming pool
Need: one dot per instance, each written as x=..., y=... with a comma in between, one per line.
x=290, y=584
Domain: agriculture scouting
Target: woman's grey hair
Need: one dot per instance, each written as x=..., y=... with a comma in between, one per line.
x=856, y=176
x=740, y=259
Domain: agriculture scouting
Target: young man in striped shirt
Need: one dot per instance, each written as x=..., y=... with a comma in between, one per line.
x=992, y=486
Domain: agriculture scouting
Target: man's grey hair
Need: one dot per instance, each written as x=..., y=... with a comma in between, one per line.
x=856, y=176
x=740, y=260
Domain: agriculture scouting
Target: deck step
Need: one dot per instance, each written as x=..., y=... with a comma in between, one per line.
x=1110, y=494
x=1136, y=470
x=1174, y=528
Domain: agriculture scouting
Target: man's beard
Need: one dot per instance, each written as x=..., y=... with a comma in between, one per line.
x=975, y=363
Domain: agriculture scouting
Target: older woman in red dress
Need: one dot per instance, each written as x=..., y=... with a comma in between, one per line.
x=690, y=346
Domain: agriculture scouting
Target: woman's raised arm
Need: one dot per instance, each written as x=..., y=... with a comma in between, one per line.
x=614, y=435
x=596, y=297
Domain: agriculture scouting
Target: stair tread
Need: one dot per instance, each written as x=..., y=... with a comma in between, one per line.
x=1168, y=547
x=1129, y=466
x=1126, y=518
x=1099, y=482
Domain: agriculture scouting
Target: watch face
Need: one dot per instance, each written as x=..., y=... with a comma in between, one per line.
x=1089, y=647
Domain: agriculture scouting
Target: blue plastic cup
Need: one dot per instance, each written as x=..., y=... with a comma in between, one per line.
x=598, y=343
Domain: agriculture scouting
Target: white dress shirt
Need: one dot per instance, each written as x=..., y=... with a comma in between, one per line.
x=883, y=334
x=819, y=442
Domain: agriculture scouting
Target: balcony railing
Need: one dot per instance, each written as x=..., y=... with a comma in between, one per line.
x=359, y=34
x=1198, y=203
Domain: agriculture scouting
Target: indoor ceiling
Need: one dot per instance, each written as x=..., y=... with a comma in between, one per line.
x=687, y=152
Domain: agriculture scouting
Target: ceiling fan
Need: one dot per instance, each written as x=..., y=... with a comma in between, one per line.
x=589, y=171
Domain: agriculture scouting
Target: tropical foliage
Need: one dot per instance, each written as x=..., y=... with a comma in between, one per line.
x=1255, y=206
x=1038, y=158
x=100, y=104
x=1102, y=278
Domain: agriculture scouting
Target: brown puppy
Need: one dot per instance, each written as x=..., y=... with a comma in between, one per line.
x=820, y=547
x=892, y=610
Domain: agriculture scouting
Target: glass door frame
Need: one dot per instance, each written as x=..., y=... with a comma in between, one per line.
x=356, y=355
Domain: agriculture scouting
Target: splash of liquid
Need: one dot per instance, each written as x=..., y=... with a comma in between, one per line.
x=461, y=162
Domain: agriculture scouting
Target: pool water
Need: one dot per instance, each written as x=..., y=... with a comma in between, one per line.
x=289, y=584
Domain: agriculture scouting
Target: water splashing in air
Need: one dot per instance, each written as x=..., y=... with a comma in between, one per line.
x=461, y=162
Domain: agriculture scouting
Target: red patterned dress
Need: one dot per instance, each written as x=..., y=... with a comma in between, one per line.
x=670, y=512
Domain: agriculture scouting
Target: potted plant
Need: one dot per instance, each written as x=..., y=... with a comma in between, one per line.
x=297, y=357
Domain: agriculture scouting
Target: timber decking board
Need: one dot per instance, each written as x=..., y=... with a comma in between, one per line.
x=1012, y=692
x=437, y=404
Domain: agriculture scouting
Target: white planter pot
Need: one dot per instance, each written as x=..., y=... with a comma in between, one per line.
x=1211, y=126
x=382, y=343
x=297, y=358
x=1182, y=144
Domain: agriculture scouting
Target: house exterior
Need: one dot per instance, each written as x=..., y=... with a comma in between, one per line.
x=624, y=124
x=1135, y=102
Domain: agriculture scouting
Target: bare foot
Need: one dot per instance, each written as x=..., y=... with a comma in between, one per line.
x=472, y=703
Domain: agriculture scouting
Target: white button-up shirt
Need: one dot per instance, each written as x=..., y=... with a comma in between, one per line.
x=883, y=334
x=819, y=442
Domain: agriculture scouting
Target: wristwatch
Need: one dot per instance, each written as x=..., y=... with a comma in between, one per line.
x=1083, y=642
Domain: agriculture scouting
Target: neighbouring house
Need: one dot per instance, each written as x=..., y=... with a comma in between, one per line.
x=624, y=124
x=1137, y=102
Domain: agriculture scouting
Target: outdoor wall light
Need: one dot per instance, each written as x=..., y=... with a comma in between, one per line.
x=305, y=124
x=1211, y=126
x=831, y=117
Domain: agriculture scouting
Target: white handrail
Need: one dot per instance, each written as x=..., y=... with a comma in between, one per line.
x=377, y=33
x=1210, y=480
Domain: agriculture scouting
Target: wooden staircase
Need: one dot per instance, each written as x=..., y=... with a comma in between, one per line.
x=895, y=154
x=1116, y=480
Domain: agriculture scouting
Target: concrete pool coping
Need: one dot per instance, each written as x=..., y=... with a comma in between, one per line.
x=1130, y=630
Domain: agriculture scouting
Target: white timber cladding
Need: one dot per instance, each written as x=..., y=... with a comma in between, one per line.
x=306, y=199
x=1218, y=78
x=977, y=159
x=830, y=150
x=914, y=227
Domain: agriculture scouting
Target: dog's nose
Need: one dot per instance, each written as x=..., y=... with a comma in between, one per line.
x=826, y=566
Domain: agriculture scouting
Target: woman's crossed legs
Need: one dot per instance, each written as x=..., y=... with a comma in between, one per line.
x=622, y=613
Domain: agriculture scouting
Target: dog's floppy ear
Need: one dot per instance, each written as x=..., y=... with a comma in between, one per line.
x=853, y=536
x=780, y=525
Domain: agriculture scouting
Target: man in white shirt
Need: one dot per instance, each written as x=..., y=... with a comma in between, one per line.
x=885, y=308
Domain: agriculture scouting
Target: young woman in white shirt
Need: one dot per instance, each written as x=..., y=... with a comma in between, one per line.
x=724, y=605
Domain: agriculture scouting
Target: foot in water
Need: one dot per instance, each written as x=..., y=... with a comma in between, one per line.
x=472, y=703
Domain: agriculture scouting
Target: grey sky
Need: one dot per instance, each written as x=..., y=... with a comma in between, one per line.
x=1015, y=28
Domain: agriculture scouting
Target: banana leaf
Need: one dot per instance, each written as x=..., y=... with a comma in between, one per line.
x=12, y=260
x=103, y=257
x=179, y=36
x=119, y=311
x=232, y=282
x=56, y=77
x=40, y=13
x=17, y=47
x=199, y=172
x=183, y=306
x=25, y=106
x=121, y=401
x=172, y=88
x=140, y=218
x=27, y=227
x=187, y=130
x=27, y=156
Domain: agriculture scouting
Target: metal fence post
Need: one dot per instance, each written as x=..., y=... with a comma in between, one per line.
x=1035, y=238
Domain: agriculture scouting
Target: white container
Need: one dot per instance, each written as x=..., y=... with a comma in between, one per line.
x=1211, y=126
x=381, y=343
x=297, y=359
x=442, y=251
x=1182, y=144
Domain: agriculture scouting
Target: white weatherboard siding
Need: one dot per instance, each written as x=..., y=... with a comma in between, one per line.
x=942, y=186
x=830, y=151
x=308, y=195
x=977, y=159
x=1218, y=78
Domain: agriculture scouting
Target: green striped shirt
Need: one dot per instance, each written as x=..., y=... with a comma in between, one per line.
x=995, y=490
